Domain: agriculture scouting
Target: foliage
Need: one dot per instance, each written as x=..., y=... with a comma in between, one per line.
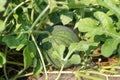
x=96, y=22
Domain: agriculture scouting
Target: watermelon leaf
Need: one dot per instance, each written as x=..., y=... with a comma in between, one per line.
x=15, y=42
x=2, y=59
x=29, y=53
x=105, y=21
x=109, y=46
x=37, y=67
x=52, y=5
x=66, y=17
x=2, y=4
x=110, y=4
x=75, y=59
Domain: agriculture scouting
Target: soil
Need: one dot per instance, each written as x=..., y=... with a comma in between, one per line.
x=70, y=76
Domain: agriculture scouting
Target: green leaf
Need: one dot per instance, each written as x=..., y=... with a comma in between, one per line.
x=105, y=21
x=2, y=59
x=66, y=17
x=118, y=24
x=37, y=66
x=75, y=59
x=29, y=53
x=52, y=5
x=58, y=59
x=85, y=2
x=72, y=47
x=92, y=28
x=106, y=24
x=14, y=42
x=59, y=52
x=56, y=18
x=22, y=18
x=2, y=4
x=2, y=27
x=75, y=4
x=86, y=25
x=110, y=4
x=89, y=25
x=83, y=45
x=109, y=46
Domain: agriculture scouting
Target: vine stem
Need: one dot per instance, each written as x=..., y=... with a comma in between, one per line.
x=4, y=67
x=15, y=63
x=19, y=73
x=41, y=57
x=60, y=72
x=40, y=15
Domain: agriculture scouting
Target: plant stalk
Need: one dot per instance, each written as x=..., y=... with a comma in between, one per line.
x=41, y=57
x=60, y=73
x=40, y=15
x=4, y=66
x=15, y=63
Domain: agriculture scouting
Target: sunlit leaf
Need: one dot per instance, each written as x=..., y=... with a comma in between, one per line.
x=105, y=21
x=75, y=59
x=66, y=17
x=72, y=47
x=83, y=45
x=89, y=25
x=109, y=46
x=2, y=4
x=110, y=4
x=52, y=5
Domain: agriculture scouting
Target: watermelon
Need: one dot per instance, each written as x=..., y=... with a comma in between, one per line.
x=55, y=36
